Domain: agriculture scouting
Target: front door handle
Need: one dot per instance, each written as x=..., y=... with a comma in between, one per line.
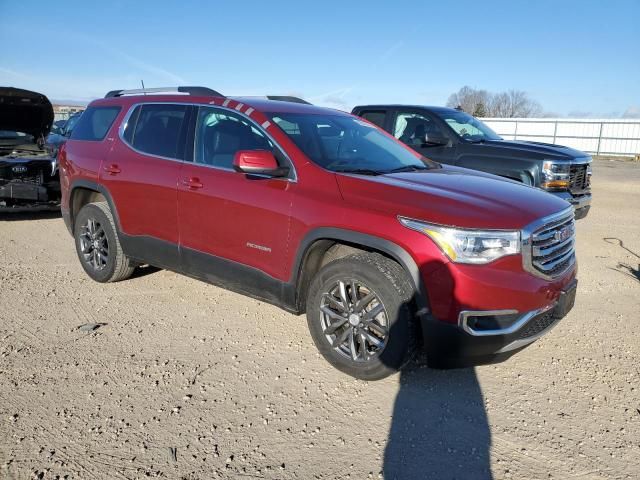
x=112, y=169
x=192, y=183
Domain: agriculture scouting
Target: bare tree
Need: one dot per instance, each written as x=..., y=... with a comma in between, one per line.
x=509, y=104
x=468, y=99
x=514, y=103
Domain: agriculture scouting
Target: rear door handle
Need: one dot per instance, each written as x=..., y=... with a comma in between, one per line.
x=112, y=169
x=192, y=183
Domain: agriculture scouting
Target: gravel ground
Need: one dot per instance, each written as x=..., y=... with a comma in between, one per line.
x=186, y=380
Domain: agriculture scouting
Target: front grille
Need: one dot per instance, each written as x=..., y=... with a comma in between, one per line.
x=538, y=324
x=578, y=178
x=34, y=177
x=550, y=250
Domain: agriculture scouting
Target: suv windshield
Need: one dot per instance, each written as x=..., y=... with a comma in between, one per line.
x=467, y=127
x=346, y=144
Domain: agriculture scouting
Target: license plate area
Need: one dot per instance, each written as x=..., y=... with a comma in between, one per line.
x=566, y=301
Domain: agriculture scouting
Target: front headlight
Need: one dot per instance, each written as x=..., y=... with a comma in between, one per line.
x=555, y=175
x=469, y=246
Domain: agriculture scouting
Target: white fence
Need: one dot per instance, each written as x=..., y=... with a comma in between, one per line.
x=595, y=136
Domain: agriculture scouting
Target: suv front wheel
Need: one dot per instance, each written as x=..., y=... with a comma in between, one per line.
x=360, y=316
x=98, y=246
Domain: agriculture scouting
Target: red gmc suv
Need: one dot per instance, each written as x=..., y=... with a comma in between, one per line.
x=319, y=211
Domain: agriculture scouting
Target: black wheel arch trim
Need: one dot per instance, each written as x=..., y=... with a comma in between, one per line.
x=356, y=238
x=97, y=187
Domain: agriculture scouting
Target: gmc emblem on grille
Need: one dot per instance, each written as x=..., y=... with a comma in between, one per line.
x=562, y=235
x=19, y=169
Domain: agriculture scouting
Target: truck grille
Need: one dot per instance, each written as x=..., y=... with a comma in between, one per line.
x=578, y=177
x=549, y=249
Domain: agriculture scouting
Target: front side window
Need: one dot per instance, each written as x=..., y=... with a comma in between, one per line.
x=220, y=134
x=343, y=143
x=158, y=130
x=412, y=129
x=94, y=123
x=467, y=127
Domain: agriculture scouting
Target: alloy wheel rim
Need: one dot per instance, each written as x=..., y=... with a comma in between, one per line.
x=354, y=320
x=94, y=245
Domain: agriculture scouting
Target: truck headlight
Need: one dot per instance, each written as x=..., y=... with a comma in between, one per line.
x=469, y=246
x=555, y=175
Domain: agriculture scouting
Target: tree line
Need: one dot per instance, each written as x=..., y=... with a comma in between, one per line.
x=481, y=103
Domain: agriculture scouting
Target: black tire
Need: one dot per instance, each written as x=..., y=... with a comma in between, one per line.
x=112, y=265
x=388, y=282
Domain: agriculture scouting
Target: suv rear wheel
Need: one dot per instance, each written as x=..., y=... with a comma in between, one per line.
x=359, y=315
x=98, y=246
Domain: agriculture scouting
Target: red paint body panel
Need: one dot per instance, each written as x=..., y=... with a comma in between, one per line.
x=261, y=222
x=145, y=193
x=236, y=217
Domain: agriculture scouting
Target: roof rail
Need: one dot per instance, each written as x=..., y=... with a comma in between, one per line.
x=287, y=98
x=202, y=91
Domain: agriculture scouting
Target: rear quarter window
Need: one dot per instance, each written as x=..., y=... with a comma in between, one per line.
x=158, y=129
x=94, y=123
x=376, y=117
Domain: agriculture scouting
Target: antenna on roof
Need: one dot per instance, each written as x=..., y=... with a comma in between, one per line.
x=142, y=82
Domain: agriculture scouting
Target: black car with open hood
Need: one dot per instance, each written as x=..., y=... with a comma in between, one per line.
x=28, y=171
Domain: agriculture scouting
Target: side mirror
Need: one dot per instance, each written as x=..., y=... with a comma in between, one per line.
x=435, y=139
x=258, y=162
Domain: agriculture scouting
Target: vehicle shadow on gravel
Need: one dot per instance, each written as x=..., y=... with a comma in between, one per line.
x=26, y=216
x=439, y=428
x=143, y=271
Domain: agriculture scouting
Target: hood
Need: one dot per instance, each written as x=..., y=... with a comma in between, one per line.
x=452, y=196
x=25, y=111
x=531, y=150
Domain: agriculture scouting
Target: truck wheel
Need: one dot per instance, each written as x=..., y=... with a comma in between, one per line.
x=98, y=246
x=360, y=317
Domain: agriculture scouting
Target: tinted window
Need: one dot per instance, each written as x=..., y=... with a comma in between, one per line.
x=411, y=128
x=158, y=130
x=377, y=118
x=131, y=125
x=71, y=124
x=94, y=123
x=220, y=134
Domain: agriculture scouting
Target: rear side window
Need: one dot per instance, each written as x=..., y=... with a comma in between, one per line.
x=375, y=117
x=158, y=129
x=94, y=123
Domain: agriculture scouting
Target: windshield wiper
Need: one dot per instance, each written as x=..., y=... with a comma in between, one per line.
x=407, y=168
x=359, y=171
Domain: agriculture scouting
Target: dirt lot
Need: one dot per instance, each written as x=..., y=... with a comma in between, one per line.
x=236, y=387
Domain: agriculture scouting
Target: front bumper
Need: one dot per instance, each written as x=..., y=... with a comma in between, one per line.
x=581, y=202
x=462, y=345
x=22, y=196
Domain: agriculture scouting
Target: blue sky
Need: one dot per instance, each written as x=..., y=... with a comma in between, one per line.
x=571, y=56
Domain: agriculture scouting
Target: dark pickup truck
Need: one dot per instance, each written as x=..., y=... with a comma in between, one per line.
x=454, y=137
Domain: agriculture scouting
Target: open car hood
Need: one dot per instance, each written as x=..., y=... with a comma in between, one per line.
x=25, y=111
